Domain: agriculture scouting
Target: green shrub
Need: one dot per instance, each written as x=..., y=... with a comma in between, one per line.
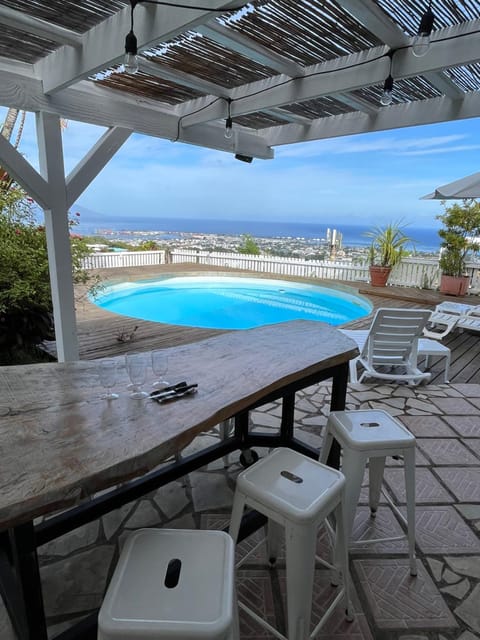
x=26, y=318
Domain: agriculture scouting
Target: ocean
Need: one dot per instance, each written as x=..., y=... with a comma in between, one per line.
x=424, y=239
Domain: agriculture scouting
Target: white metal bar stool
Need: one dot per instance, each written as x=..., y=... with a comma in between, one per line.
x=172, y=584
x=296, y=493
x=371, y=436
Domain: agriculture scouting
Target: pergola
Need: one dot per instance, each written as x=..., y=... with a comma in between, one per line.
x=278, y=71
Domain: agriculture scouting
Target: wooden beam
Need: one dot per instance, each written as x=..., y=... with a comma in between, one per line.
x=58, y=236
x=24, y=173
x=94, y=104
x=424, y=112
x=30, y=24
x=103, y=46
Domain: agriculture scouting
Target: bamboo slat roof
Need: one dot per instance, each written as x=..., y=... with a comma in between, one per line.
x=286, y=70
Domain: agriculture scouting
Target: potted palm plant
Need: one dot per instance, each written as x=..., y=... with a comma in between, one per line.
x=386, y=250
x=461, y=223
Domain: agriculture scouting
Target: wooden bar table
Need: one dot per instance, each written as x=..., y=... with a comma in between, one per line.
x=61, y=443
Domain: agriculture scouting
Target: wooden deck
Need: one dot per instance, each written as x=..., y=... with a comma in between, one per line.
x=99, y=330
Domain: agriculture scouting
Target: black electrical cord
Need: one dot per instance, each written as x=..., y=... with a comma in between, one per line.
x=194, y=7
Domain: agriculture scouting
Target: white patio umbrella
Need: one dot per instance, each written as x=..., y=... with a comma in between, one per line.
x=468, y=187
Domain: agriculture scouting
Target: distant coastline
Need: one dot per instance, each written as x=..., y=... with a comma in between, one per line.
x=426, y=240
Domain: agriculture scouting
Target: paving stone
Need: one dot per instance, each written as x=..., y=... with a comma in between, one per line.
x=440, y=529
x=398, y=403
x=466, y=426
x=420, y=460
x=365, y=396
x=413, y=405
x=446, y=451
x=466, y=635
x=475, y=401
x=474, y=445
x=265, y=420
x=470, y=390
x=312, y=439
x=455, y=406
x=467, y=565
x=336, y=626
x=314, y=421
x=449, y=577
x=255, y=589
x=436, y=567
x=112, y=521
x=183, y=522
x=469, y=511
x=385, y=407
x=76, y=584
x=384, y=525
x=73, y=541
x=427, y=488
x=428, y=427
x=464, y=483
x=145, y=515
x=171, y=499
x=458, y=590
x=210, y=491
x=399, y=601
x=468, y=610
x=305, y=405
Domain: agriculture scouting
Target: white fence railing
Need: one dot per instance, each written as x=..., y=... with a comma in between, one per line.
x=113, y=260
x=416, y=272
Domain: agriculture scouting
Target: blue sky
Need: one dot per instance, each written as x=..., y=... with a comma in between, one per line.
x=363, y=179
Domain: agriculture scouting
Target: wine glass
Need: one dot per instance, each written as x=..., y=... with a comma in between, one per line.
x=108, y=376
x=159, y=367
x=137, y=372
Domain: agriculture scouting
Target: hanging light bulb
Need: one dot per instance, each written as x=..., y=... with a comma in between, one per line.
x=228, y=129
x=387, y=95
x=421, y=42
x=228, y=121
x=130, y=61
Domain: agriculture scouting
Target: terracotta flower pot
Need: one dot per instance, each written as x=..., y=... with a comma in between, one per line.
x=454, y=285
x=379, y=275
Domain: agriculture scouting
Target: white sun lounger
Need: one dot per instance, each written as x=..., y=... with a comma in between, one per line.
x=451, y=315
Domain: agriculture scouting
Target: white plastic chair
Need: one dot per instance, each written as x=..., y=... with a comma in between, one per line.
x=425, y=349
x=390, y=351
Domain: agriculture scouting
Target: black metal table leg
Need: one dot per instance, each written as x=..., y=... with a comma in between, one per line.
x=337, y=403
x=10, y=589
x=28, y=573
x=288, y=416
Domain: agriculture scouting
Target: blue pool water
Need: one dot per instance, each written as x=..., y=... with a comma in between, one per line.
x=223, y=302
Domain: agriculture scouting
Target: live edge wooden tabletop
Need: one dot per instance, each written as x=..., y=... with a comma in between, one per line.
x=61, y=442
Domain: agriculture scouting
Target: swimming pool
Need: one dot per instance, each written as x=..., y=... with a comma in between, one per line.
x=226, y=302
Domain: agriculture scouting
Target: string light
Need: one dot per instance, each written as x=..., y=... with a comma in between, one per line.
x=228, y=122
x=421, y=42
x=387, y=95
x=130, y=61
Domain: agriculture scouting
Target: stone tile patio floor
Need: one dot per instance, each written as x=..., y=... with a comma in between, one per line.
x=441, y=603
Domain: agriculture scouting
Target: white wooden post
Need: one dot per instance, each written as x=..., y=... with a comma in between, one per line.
x=58, y=236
